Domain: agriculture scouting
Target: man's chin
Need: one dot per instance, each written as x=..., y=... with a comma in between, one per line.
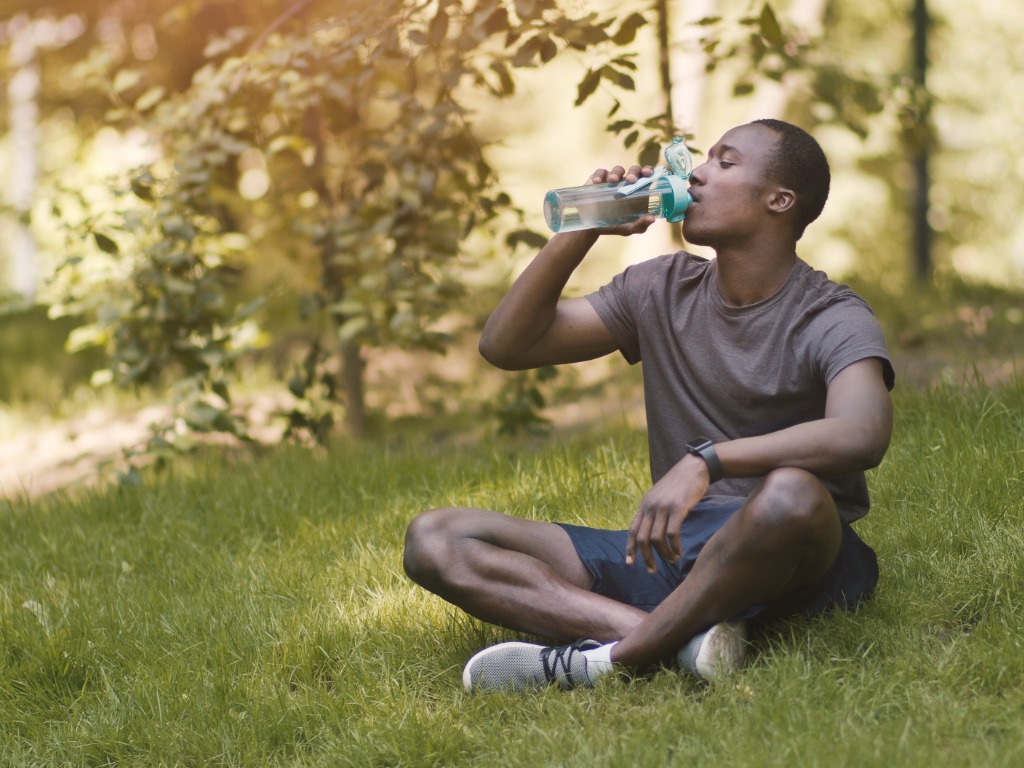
x=695, y=236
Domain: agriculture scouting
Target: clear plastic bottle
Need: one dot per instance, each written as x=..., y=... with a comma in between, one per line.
x=664, y=194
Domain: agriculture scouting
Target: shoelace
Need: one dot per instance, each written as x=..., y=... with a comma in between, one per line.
x=558, y=661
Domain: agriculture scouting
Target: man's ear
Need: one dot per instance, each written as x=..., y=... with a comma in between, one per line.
x=781, y=200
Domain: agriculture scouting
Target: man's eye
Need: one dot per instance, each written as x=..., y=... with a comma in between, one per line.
x=725, y=164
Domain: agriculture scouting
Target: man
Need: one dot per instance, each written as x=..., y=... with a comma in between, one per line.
x=767, y=395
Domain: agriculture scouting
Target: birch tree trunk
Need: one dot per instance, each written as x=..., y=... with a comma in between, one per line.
x=690, y=76
x=22, y=94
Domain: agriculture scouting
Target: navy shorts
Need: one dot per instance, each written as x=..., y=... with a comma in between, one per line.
x=850, y=580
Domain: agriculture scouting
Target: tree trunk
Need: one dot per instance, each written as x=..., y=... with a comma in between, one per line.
x=332, y=279
x=355, y=396
x=22, y=92
x=665, y=57
x=687, y=87
x=922, y=247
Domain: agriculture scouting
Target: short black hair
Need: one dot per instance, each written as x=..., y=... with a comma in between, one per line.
x=798, y=163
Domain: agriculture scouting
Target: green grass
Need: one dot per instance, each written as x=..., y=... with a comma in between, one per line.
x=256, y=613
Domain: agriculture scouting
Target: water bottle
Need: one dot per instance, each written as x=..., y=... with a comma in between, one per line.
x=663, y=194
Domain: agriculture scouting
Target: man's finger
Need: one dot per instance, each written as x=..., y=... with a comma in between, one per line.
x=631, y=539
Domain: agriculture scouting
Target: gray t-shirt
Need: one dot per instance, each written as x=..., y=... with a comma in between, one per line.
x=731, y=372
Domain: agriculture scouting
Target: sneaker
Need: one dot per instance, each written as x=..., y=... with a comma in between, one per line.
x=716, y=653
x=522, y=666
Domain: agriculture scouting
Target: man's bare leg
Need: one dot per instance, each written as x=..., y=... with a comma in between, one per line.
x=526, y=575
x=520, y=574
x=783, y=540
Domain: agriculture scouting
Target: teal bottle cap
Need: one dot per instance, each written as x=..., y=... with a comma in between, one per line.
x=678, y=158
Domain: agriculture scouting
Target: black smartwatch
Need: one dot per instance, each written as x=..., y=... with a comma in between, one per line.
x=703, y=447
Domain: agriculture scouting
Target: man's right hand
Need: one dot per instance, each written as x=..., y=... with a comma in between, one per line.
x=615, y=175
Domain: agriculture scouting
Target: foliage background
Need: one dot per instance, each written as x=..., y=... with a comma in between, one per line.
x=249, y=238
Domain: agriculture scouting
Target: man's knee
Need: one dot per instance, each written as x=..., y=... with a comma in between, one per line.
x=426, y=543
x=795, y=501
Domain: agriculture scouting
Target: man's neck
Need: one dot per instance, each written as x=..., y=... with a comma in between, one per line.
x=746, y=278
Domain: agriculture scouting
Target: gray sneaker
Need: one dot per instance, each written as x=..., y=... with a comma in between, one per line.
x=524, y=666
x=716, y=653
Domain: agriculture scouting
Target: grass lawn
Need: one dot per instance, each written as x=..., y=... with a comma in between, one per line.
x=256, y=613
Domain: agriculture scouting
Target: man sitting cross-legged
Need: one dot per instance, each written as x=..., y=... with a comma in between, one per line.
x=767, y=394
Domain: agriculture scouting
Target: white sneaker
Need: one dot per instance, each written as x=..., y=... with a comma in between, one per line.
x=524, y=666
x=716, y=653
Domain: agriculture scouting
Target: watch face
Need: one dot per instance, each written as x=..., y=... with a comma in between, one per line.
x=698, y=444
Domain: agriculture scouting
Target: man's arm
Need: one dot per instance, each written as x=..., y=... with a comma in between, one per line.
x=532, y=325
x=853, y=436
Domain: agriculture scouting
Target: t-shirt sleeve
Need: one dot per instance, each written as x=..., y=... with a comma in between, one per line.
x=847, y=332
x=616, y=304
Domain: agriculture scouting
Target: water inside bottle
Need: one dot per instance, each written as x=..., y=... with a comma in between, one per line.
x=568, y=210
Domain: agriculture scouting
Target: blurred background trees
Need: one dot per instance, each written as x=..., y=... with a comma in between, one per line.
x=189, y=182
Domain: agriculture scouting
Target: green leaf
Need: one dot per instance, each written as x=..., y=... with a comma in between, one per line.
x=86, y=336
x=506, y=85
x=620, y=125
x=587, y=86
x=106, y=244
x=150, y=98
x=631, y=139
x=279, y=57
x=526, y=9
x=220, y=388
x=249, y=309
x=142, y=190
x=309, y=305
x=497, y=22
x=212, y=358
x=439, y=27
x=288, y=141
x=201, y=416
x=626, y=62
x=650, y=153
x=352, y=327
x=548, y=49
x=621, y=79
x=179, y=287
x=770, y=29
x=348, y=307
x=627, y=30
x=742, y=89
x=126, y=79
x=524, y=56
x=177, y=226
x=297, y=385
x=526, y=237
x=581, y=38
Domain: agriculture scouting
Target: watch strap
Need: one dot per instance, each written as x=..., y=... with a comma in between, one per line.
x=703, y=447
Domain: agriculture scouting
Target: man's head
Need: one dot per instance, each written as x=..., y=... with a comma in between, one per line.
x=798, y=163
x=765, y=168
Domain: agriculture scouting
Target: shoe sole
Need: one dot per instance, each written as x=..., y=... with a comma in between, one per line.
x=722, y=651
